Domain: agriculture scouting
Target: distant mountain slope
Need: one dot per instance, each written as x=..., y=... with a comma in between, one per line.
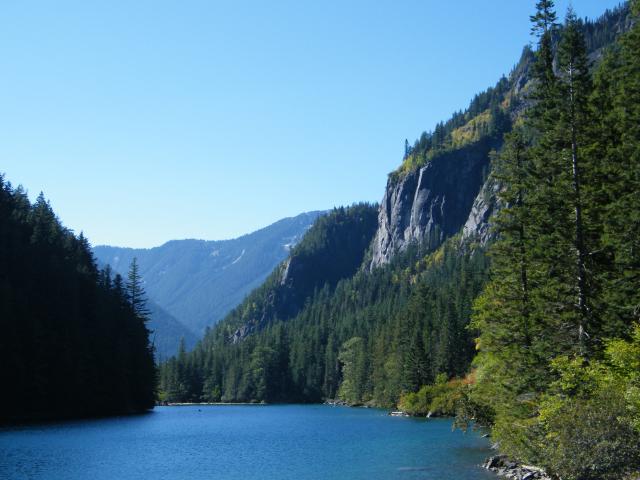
x=167, y=331
x=197, y=281
x=331, y=251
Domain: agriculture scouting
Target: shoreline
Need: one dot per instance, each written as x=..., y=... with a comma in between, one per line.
x=502, y=466
x=196, y=404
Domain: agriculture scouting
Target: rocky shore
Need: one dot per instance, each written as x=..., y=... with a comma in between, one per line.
x=196, y=404
x=502, y=466
x=342, y=403
x=336, y=403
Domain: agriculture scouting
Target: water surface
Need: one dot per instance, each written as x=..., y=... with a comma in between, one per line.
x=283, y=442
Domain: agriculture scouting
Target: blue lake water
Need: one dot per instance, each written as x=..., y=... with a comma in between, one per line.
x=244, y=442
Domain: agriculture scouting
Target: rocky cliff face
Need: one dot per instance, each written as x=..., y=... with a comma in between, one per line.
x=434, y=202
x=485, y=205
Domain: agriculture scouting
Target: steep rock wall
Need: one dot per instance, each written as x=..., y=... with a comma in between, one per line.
x=431, y=203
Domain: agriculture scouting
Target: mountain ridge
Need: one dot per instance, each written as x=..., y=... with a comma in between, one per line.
x=197, y=282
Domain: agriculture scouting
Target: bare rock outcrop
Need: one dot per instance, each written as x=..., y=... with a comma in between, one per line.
x=431, y=203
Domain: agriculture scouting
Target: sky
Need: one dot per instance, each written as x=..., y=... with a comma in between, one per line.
x=154, y=120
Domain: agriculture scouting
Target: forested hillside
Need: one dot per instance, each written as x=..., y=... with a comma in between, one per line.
x=167, y=332
x=521, y=314
x=342, y=235
x=74, y=341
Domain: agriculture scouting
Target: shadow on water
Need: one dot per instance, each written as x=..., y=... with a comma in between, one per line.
x=20, y=424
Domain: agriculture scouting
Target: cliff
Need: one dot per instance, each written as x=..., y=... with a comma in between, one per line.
x=433, y=202
x=443, y=186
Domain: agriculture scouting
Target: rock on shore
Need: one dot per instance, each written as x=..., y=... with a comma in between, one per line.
x=501, y=465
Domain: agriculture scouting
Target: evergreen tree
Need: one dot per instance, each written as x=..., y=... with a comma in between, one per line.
x=135, y=291
x=510, y=359
x=575, y=88
x=616, y=121
x=543, y=333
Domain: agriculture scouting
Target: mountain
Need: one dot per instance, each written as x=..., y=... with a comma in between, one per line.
x=167, y=332
x=499, y=283
x=195, y=283
x=431, y=203
x=422, y=270
x=330, y=251
x=443, y=184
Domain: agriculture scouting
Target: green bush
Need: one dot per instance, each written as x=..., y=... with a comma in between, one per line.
x=591, y=415
x=439, y=399
x=589, y=439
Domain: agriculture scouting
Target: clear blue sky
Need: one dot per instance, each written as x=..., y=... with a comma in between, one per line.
x=145, y=121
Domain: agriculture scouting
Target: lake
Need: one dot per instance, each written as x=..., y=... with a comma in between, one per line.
x=244, y=442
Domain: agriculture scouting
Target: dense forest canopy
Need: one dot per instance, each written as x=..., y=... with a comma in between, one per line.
x=298, y=358
x=74, y=341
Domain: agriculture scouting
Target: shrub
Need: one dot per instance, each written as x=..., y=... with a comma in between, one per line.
x=439, y=399
x=591, y=439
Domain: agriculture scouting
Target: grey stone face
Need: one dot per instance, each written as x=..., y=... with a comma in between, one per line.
x=485, y=205
x=435, y=202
